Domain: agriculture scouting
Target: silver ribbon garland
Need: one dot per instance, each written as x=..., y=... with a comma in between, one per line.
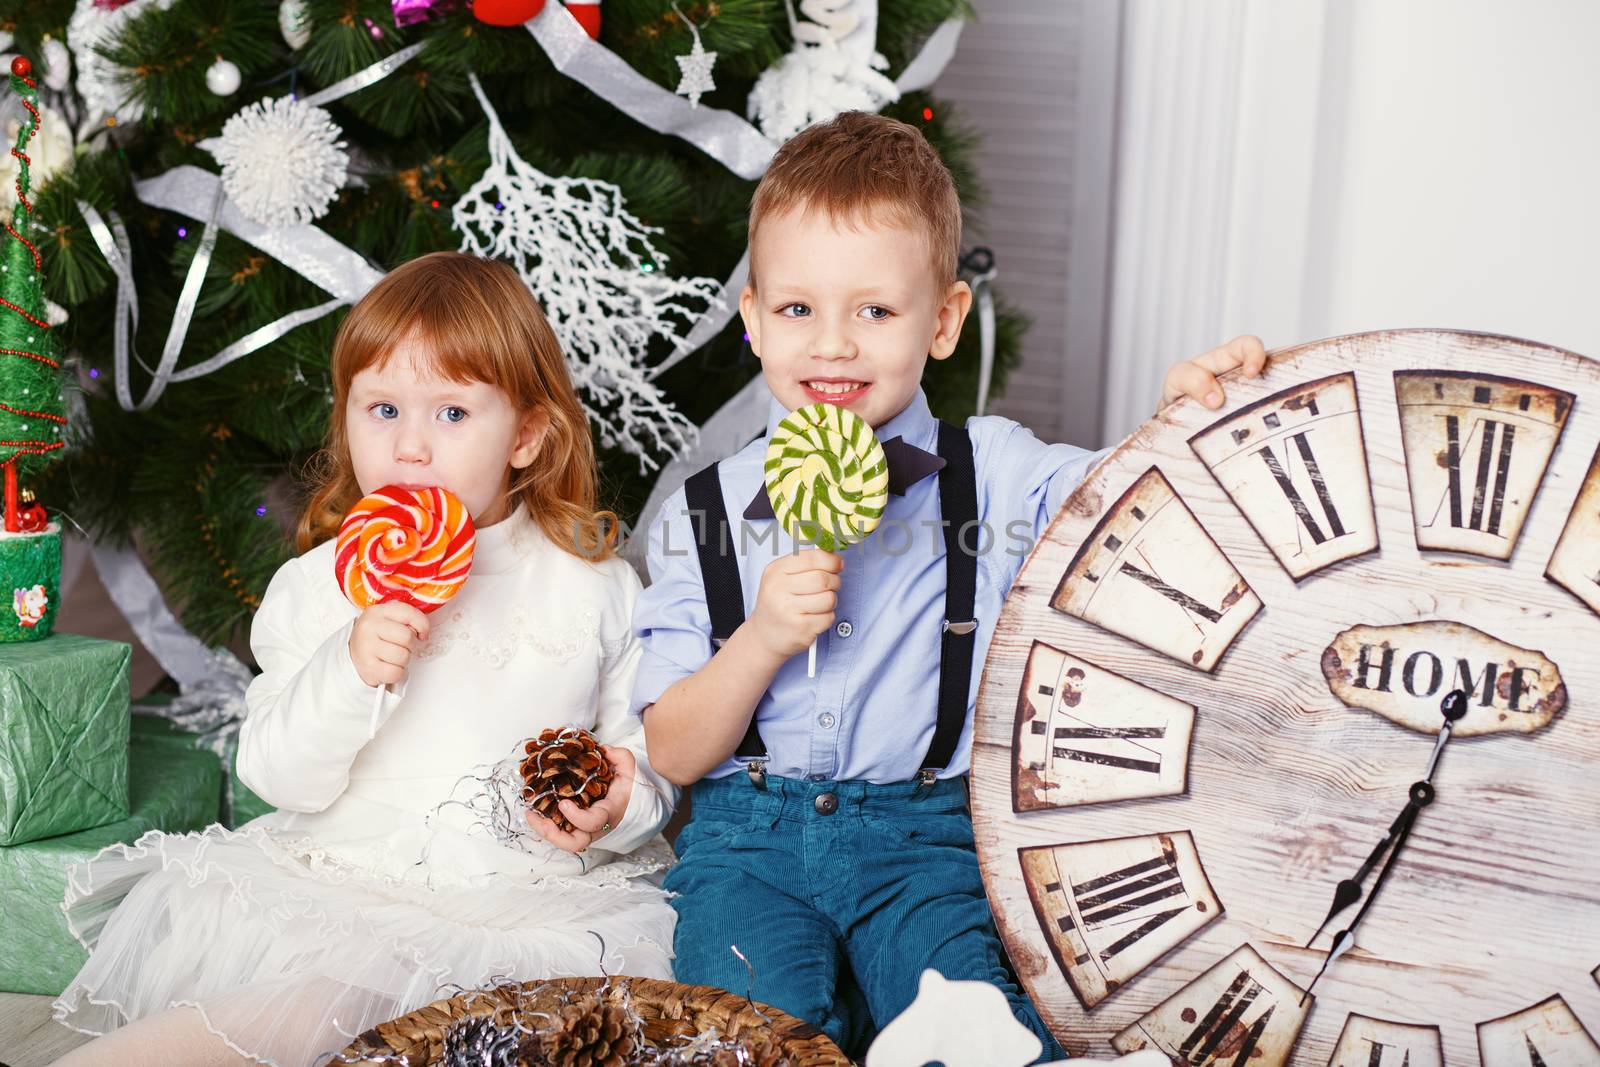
x=983, y=292
x=361, y=79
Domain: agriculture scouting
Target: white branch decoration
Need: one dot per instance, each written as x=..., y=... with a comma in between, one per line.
x=601, y=282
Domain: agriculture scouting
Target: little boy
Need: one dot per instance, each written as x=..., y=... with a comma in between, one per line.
x=829, y=837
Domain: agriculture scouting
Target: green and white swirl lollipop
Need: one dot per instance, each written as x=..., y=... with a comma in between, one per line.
x=826, y=476
x=827, y=479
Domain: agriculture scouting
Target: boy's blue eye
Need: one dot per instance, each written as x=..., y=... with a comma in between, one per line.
x=453, y=414
x=794, y=310
x=876, y=312
x=385, y=411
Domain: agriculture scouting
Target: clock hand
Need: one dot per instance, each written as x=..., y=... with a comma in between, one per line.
x=1421, y=797
x=1347, y=892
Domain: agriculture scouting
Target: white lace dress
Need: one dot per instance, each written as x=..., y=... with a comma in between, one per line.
x=387, y=876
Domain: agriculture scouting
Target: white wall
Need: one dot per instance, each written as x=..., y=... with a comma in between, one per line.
x=1466, y=185
x=1306, y=168
x=1036, y=80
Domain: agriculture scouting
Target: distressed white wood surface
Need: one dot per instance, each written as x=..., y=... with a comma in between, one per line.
x=1495, y=905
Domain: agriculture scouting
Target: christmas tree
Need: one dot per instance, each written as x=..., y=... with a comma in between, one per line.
x=31, y=410
x=458, y=133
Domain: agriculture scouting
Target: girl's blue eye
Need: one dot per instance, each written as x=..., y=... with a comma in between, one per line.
x=796, y=309
x=453, y=414
x=876, y=312
x=385, y=411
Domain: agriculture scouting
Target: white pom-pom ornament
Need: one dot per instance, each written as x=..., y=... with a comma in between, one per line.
x=282, y=161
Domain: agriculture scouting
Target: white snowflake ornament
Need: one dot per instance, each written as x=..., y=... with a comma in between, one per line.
x=696, y=70
x=282, y=161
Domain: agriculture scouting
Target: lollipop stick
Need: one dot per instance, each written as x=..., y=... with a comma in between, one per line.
x=377, y=706
x=811, y=660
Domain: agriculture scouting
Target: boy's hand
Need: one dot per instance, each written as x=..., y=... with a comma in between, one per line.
x=382, y=641
x=796, y=600
x=1197, y=377
x=597, y=820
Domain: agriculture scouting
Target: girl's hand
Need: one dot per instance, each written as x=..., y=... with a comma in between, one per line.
x=1197, y=377
x=382, y=641
x=597, y=820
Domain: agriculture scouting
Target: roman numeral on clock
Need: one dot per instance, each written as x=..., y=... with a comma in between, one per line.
x=1369, y=1042
x=1286, y=485
x=1230, y=1010
x=1111, y=908
x=1149, y=764
x=1476, y=449
x=1240, y=1013
x=1177, y=596
x=1546, y=1034
x=1295, y=464
x=1124, y=578
x=1488, y=457
x=1086, y=735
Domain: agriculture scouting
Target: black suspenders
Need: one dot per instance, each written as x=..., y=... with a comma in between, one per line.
x=958, y=508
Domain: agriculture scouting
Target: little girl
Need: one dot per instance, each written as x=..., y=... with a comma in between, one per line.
x=374, y=886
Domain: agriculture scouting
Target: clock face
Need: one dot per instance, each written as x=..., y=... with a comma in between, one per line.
x=1221, y=672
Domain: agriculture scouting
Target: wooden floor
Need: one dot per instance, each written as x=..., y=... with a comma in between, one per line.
x=28, y=1036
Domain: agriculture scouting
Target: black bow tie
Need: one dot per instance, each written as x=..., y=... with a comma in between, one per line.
x=908, y=465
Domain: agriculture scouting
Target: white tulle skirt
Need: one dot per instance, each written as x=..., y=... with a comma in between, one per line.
x=287, y=953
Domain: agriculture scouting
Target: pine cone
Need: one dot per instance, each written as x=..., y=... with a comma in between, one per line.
x=564, y=764
x=592, y=1032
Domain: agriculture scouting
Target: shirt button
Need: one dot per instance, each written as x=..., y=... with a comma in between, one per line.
x=819, y=777
x=826, y=803
x=826, y=720
x=844, y=629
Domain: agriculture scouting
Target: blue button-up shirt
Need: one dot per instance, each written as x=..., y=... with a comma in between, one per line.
x=870, y=711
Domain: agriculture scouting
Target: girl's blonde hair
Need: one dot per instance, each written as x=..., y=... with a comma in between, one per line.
x=481, y=324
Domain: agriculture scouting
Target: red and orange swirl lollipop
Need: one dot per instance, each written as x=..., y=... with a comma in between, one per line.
x=410, y=545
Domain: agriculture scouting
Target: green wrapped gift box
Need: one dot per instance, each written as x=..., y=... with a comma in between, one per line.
x=239, y=802
x=172, y=789
x=63, y=736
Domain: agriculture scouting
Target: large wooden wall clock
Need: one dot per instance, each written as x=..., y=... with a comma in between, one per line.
x=1218, y=687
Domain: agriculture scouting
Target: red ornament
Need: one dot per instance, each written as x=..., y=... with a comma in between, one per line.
x=506, y=12
x=21, y=67
x=587, y=12
x=33, y=519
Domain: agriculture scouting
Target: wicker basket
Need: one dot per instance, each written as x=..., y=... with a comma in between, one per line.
x=669, y=1010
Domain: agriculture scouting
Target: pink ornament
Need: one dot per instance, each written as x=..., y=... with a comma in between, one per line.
x=411, y=12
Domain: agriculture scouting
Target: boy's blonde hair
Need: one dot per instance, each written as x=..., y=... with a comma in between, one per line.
x=481, y=324
x=857, y=164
